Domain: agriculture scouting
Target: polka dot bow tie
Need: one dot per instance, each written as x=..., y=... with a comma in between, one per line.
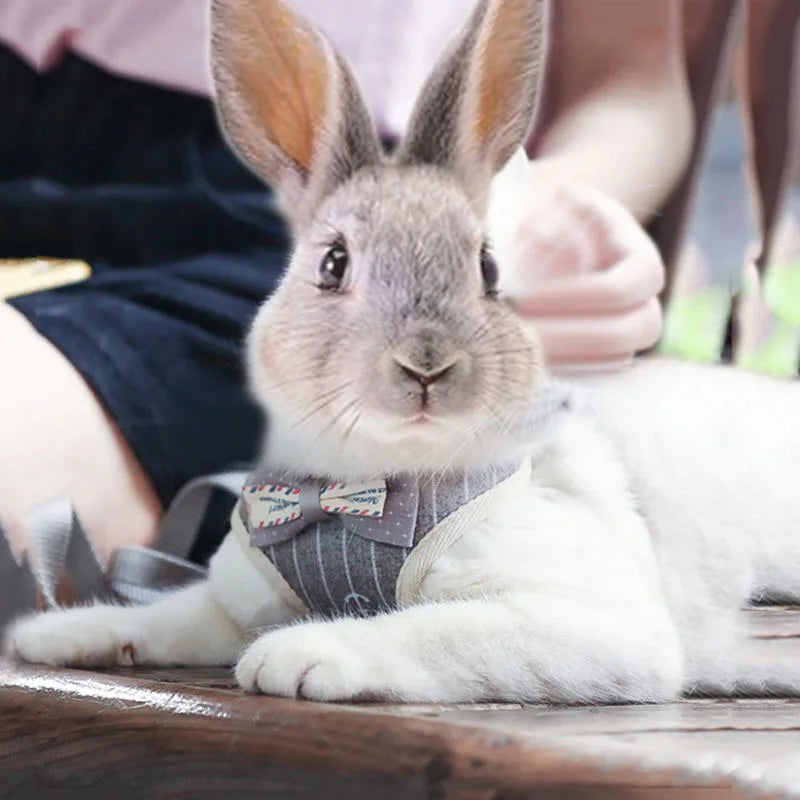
x=380, y=510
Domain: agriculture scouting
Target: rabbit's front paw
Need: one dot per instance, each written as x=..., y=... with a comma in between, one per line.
x=80, y=637
x=315, y=661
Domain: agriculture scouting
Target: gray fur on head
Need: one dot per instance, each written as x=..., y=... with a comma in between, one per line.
x=410, y=362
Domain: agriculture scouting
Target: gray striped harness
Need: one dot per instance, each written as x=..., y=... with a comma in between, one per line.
x=335, y=570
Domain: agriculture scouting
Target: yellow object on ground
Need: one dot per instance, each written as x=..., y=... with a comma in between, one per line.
x=23, y=276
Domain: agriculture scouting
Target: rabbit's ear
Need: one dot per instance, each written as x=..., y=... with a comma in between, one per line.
x=478, y=104
x=288, y=103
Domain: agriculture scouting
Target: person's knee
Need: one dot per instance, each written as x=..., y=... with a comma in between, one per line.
x=57, y=440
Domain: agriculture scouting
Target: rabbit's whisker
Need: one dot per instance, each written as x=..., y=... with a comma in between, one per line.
x=348, y=406
x=302, y=377
x=352, y=425
x=322, y=402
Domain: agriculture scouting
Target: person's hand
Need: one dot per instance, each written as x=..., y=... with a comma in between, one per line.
x=577, y=264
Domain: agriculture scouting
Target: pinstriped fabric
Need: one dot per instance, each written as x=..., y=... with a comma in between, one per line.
x=376, y=576
x=299, y=583
x=337, y=572
x=321, y=564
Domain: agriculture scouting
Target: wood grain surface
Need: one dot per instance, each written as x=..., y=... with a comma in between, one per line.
x=192, y=734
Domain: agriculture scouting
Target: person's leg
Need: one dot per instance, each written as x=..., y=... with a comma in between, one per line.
x=767, y=318
x=709, y=30
x=57, y=440
x=771, y=103
x=136, y=371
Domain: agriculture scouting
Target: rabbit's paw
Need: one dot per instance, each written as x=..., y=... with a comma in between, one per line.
x=315, y=661
x=80, y=637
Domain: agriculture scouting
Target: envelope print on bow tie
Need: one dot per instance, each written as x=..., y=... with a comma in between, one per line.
x=277, y=511
x=272, y=505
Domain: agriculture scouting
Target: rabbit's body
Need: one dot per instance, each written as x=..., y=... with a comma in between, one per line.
x=711, y=458
x=614, y=576
x=658, y=502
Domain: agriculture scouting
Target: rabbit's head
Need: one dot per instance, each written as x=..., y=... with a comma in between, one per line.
x=386, y=348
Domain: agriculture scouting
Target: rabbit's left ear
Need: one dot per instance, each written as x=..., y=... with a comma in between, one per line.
x=478, y=104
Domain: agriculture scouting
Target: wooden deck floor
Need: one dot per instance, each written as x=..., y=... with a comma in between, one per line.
x=189, y=733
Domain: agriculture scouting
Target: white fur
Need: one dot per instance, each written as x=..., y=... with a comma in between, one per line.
x=654, y=512
x=581, y=592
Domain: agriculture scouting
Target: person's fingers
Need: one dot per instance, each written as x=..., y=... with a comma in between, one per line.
x=581, y=366
x=633, y=281
x=592, y=339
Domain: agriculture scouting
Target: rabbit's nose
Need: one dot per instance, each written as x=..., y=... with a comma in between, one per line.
x=422, y=376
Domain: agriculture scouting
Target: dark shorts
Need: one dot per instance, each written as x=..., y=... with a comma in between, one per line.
x=183, y=241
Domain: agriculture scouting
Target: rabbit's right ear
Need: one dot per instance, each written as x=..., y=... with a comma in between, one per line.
x=288, y=102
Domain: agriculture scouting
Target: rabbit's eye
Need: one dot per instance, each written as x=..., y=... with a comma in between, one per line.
x=489, y=271
x=333, y=268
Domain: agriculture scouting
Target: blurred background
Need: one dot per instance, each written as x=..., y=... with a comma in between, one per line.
x=135, y=248
x=729, y=300
x=723, y=227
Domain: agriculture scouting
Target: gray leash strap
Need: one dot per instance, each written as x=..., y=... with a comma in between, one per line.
x=182, y=521
x=18, y=592
x=143, y=574
x=140, y=575
x=60, y=545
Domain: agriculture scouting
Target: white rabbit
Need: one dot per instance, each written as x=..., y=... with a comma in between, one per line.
x=634, y=516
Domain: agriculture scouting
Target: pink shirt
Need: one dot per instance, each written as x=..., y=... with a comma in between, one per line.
x=391, y=45
x=154, y=40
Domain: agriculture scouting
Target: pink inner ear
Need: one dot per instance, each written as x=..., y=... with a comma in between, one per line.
x=279, y=67
x=502, y=69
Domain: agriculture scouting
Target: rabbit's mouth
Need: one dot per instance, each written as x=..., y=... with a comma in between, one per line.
x=423, y=417
x=426, y=408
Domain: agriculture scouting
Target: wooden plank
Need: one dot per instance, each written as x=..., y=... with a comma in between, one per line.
x=69, y=734
x=748, y=740
x=767, y=761
x=689, y=716
x=192, y=733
